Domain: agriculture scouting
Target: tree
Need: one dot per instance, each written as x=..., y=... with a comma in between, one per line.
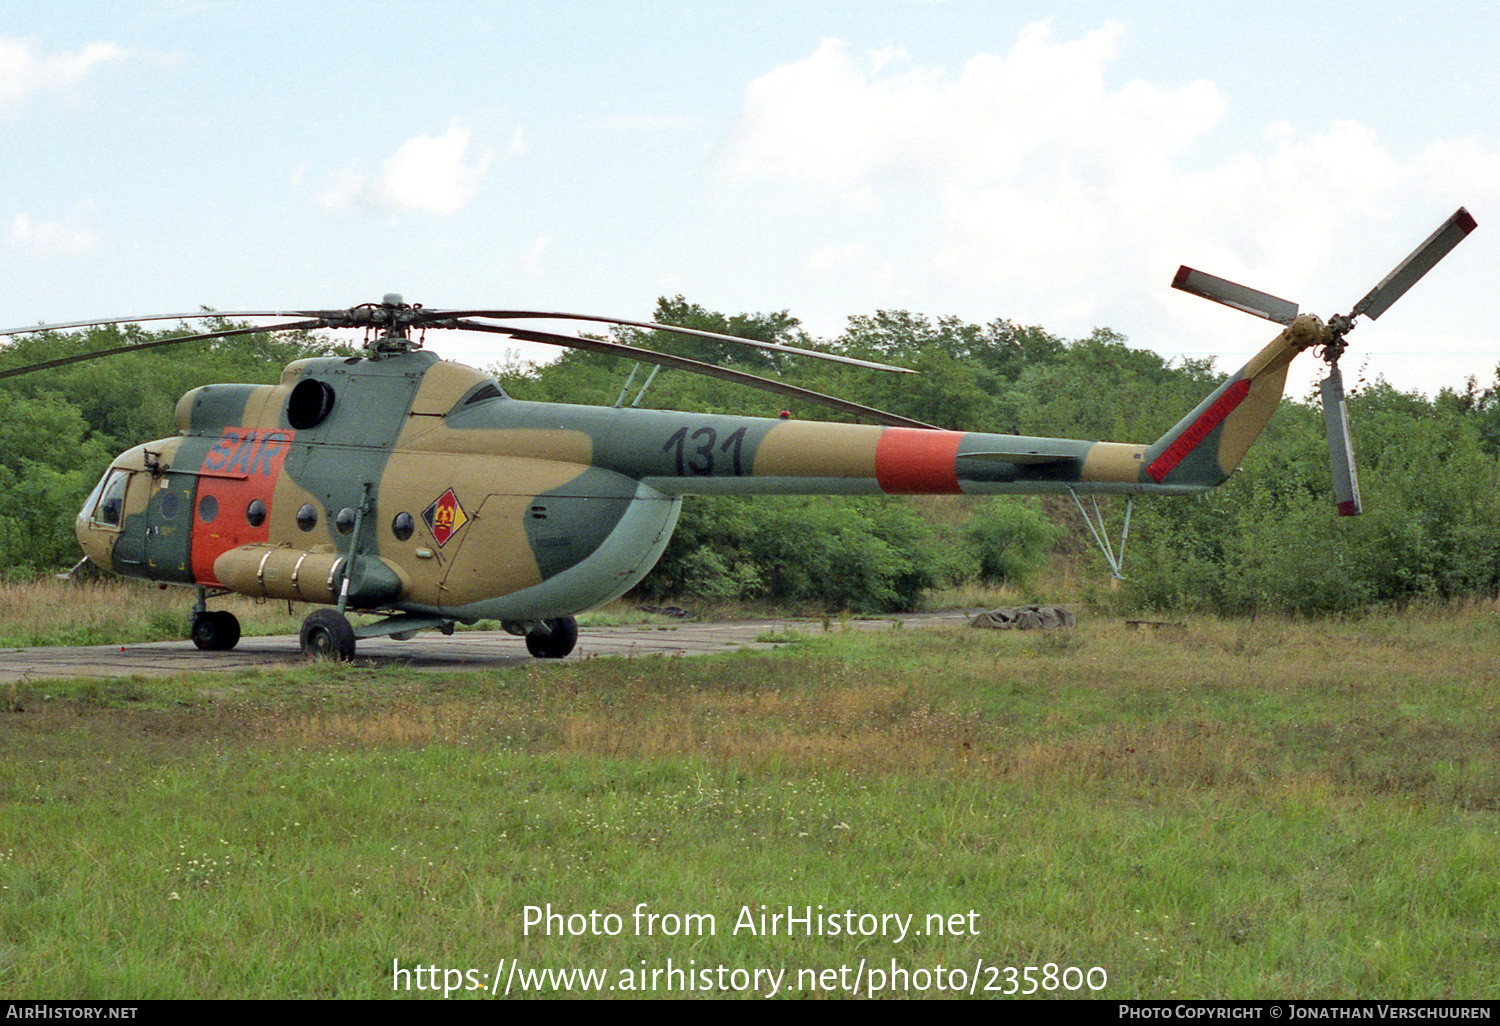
x=48, y=464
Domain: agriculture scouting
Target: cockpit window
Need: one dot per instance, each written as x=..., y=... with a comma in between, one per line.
x=109, y=511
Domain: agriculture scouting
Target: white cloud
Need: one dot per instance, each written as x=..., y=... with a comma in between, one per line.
x=1032, y=177
x=1462, y=167
x=69, y=237
x=426, y=173
x=852, y=124
x=25, y=72
x=429, y=174
x=1028, y=145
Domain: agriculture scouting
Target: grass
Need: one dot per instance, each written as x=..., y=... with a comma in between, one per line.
x=113, y=611
x=1240, y=809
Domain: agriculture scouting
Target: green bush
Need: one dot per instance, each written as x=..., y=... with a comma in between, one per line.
x=1009, y=540
x=835, y=553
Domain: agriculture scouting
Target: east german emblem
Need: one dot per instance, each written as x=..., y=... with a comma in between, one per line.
x=444, y=517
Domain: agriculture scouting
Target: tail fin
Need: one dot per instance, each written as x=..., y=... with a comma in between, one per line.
x=1206, y=446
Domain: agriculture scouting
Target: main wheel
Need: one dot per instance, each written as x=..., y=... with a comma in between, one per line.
x=552, y=639
x=215, y=632
x=327, y=634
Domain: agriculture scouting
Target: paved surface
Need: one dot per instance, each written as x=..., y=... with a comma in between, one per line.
x=472, y=650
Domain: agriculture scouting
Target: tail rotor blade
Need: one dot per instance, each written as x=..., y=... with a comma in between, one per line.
x=1410, y=270
x=1340, y=450
x=1248, y=300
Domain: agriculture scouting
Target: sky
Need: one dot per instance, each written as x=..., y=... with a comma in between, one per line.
x=1046, y=163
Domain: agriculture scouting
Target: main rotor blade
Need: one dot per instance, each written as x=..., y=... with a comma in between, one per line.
x=697, y=367
x=199, y=316
x=1248, y=300
x=153, y=344
x=1410, y=271
x=1340, y=449
x=435, y=315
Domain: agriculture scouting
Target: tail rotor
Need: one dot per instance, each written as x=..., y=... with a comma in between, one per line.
x=1332, y=336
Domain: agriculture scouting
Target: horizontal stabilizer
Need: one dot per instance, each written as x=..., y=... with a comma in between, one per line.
x=1025, y=455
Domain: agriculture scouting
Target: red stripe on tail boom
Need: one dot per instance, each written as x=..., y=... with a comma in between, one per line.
x=915, y=461
x=1198, y=429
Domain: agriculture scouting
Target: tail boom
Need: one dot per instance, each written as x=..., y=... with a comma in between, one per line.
x=680, y=454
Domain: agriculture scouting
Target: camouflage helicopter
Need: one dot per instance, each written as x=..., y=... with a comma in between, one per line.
x=400, y=484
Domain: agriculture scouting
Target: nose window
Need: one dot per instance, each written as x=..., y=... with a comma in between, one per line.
x=109, y=511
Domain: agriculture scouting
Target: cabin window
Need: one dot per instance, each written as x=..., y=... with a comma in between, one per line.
x=307, y=516
x=344, y=521
x=255, y=513
x=403, y=526
x=208, y=508
x=170, y=504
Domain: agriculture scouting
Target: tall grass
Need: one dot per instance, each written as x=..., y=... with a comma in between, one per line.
x=1238, y=809
x=112, y=611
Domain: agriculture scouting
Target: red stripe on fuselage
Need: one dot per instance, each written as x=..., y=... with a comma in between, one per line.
x=1198, y=429
x=917, y=461
x=241, y=466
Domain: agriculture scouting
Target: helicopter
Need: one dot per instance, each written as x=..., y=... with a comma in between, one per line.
x=398, y=484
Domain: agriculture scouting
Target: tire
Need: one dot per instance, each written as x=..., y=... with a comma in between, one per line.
x=553, y=639
x=216, y=632
x=326, y=634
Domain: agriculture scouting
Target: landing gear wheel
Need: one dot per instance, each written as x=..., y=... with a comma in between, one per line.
x=215, y=632
x=552, y=639
x=327, y=634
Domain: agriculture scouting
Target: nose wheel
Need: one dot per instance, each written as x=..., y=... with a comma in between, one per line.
x=552, y=639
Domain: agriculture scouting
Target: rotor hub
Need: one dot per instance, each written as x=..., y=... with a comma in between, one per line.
x=387, y=325
x=1339, y=326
